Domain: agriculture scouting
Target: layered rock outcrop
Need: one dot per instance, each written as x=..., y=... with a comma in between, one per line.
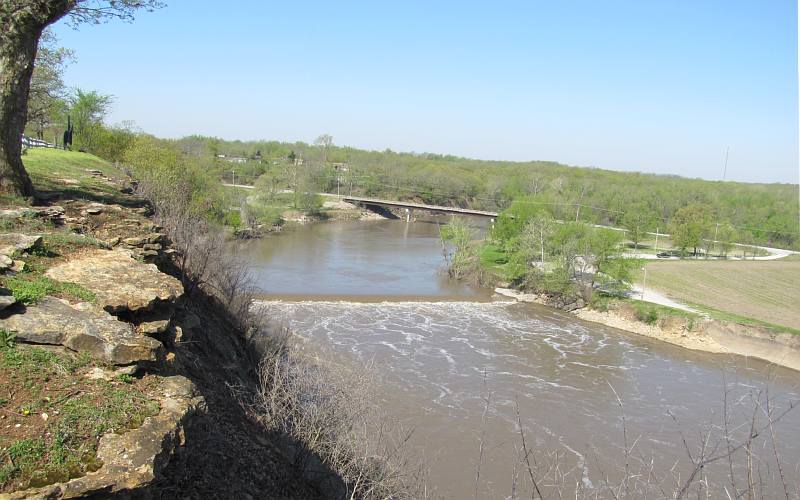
x=81, y=327
x=120, y=282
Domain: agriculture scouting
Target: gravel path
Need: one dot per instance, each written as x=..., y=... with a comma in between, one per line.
x=658, y=298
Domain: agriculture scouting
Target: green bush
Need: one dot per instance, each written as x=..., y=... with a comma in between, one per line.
x=267, y=215
x=600, y=302
x=646, y=313
x=233, y=219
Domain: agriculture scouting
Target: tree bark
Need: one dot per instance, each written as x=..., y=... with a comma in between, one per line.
x=21, y=25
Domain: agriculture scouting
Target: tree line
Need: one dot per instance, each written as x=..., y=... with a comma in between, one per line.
x=642, y=203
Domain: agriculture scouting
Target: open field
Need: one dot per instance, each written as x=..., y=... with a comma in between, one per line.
x=768, y=291
x=72, y=174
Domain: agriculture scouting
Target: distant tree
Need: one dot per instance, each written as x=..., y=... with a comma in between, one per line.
x=605, y=257
x=690, y=226
x=726, y=237
x=213, y=147
x=47, y=98
x=324, y=143
x=528, y=246
x=268, y=184
x=638, y=220
x=21, y=25
x=88, y=109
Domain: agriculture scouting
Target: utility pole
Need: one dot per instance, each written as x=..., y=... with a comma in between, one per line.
x=656, y=240
x=725, y=168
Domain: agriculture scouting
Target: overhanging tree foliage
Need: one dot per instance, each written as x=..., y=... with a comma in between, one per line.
x=21, y=25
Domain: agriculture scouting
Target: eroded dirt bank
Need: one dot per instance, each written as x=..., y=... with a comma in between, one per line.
x=708, y=335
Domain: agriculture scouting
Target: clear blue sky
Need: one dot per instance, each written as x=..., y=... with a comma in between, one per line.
x=654, y=86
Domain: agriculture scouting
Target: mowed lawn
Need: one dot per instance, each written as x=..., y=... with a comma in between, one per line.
x=764, y=290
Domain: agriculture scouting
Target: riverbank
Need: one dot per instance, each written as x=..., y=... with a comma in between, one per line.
x=703, y=334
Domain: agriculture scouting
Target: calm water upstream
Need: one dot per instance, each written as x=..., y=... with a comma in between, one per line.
x=373, y=292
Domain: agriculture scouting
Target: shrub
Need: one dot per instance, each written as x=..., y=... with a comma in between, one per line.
x=329, y=410
x=233, y=219
x=600, y=302
x=462, y=257
x=646, y=313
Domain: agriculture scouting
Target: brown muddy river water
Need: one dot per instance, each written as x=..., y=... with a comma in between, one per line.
x=373, y=292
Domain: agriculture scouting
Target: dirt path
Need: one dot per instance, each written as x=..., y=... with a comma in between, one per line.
x=655, y=297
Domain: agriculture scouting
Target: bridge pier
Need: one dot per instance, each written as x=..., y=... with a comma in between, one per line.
x=408, y=214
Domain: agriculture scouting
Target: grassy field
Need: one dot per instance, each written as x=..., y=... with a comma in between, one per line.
x=67, y=172
x=767, y=291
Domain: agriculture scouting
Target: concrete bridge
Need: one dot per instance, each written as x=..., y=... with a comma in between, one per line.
x=410, y=207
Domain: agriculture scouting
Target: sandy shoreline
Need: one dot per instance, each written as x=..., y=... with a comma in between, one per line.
x=718, y=337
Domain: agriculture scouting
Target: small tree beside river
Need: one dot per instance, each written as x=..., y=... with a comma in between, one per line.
x=563, y=258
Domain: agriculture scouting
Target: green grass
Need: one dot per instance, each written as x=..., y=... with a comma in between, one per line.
x=34, y=365
x=80, y=411
x=763, y=291
x=6, y=339
x=49, y=168
x=742, y=320
x=65, y=240
x=29, y=288
x=493, y=259
x=492, y=256
x=27, y=224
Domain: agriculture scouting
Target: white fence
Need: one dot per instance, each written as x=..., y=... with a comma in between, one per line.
x=30, y=142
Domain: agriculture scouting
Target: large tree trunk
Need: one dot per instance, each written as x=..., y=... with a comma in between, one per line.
x=21, y=25
x=16, y=67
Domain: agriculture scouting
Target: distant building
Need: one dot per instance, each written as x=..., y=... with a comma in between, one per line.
x=236, y=159
x=340, y=167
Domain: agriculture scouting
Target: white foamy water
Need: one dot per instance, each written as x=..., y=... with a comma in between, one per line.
x=438, y=361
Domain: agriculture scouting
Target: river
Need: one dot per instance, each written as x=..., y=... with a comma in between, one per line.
x=373, y=292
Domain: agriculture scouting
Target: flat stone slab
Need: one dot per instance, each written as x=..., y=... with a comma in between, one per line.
x=53, y=212
x=83, y=328
x=18, y=242
x=120, y=282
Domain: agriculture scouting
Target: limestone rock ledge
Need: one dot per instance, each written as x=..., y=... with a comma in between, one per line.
x=136, y=458
x=82, y=327
x=120, y=282
x=17, y=242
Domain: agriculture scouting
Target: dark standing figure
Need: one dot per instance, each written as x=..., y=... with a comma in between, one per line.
x=68, y=135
